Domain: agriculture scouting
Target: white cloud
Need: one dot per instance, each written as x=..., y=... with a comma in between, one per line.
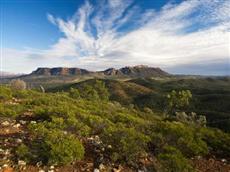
x=96, y=36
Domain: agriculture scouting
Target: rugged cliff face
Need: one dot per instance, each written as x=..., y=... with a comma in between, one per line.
x=136, y=71
x=60, y=71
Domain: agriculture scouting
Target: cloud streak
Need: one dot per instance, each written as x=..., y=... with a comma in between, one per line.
x=114, y=33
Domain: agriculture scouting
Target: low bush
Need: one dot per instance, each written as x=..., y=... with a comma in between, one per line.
x=172, y=160
x=217, y=140
x=23, y=153
x=127, y=144
x=185, y=138
x=55, y=146
x=5, y=93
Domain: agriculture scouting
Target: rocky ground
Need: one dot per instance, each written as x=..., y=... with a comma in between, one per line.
x=14, y=132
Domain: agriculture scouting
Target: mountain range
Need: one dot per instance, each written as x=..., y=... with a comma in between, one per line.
x=135, y=71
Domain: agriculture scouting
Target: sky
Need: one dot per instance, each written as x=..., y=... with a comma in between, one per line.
x=179, y=36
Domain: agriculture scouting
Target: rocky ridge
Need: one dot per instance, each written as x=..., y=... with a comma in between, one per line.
x=135, y=71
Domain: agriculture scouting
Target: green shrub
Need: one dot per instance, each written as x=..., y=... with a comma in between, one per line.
x=127, y=143
x=172, y=160
x=5, y=93
x=62, y=149
x=55, y=147
x=23, y=152
x=187, y=139
x=178, y=100
x=102, y=91
x=217, y=140
x=74, y=93
x=8, y=110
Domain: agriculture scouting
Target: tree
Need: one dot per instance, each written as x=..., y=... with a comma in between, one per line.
x=173, y=160
x=178, y=100
x=74, y=93
x=102, y=91
x=18, y=84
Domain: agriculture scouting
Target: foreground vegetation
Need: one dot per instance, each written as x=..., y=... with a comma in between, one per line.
x=64, y=123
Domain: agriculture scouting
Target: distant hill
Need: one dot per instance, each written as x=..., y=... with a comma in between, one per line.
x=7, y=74
x=49, y=77
x=135, y=71
x=60, y=71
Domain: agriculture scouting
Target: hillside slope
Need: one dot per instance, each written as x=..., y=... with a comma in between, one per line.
x=64, y=131
x=211, y=96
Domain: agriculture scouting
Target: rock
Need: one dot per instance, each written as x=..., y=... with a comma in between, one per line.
x=33, y=122
x=109, y=146
x=41, y=170
x=5, y=123
x=140, y=170
x=21, y=163
x=96, y=170
x=22, y=122
x=116, y=170
x=38, y=164
x=7, y=152
x=51, y=167
x=101, y=167
x=50, y=170
x=5, y=165
x=223, y=160
x=198, y=157
x=17, y=125
x=18, y=140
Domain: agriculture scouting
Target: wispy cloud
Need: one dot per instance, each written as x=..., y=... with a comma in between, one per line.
x=117, y=33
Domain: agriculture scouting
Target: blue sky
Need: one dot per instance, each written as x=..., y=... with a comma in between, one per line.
x=190, y=37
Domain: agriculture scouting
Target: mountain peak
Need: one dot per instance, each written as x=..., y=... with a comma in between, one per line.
x=62, y=71
x=128, y=71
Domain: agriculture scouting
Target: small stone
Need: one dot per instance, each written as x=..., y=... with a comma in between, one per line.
x=223, y=160
x=50, y=170
x=51, y=167
x=140, y=170
x=17, y=125
x=21, y=163
x=33, y=122
x=101, y=167
x=109, y=146
x=96, y=170
x=5, y=123
x=41, y=170
x=22, y=122
x=5, y=165
x=198, y=157
x=18, y=140
x=38, y=164
x=7, y=152
x=116, y=170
